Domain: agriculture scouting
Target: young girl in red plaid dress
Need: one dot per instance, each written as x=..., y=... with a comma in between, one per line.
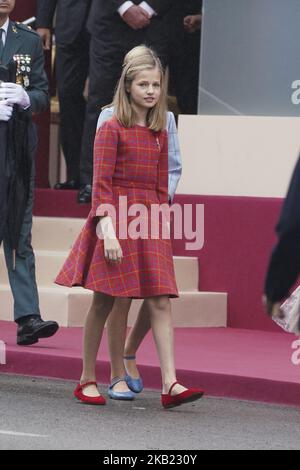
x=130, y=167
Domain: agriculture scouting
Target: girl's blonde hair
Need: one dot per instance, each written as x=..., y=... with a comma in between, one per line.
x=137, y=60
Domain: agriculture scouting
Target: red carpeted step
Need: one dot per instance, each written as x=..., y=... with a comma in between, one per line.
x=52, y=203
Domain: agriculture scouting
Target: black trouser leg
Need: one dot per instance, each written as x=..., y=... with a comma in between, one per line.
x=3, y=204
x=72, y=71
x=4, y=179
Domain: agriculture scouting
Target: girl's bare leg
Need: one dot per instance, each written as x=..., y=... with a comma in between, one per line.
x=116, y=333
x=162, y=328
x=93, y=330
x=137, y=334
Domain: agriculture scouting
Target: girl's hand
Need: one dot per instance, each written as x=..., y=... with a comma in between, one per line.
x=112, y=249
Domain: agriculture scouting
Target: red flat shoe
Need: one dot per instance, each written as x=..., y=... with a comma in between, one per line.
x=189, y=395
x=78, y=393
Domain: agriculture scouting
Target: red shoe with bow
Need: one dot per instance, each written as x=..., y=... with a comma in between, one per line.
x=189, y=395
x=78, y=393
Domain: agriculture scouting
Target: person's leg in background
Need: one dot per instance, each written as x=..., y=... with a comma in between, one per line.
x=188, y=65
x=158, y=35
x=187, y=88
x=23, y=283
x=72, y=66
x=185, y=61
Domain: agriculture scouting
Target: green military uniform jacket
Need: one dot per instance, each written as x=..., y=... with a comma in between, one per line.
x=23, y=40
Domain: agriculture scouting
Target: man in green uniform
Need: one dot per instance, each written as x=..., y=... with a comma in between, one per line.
x=23, y=92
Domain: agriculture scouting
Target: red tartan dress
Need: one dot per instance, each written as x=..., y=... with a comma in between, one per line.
x=130, y=162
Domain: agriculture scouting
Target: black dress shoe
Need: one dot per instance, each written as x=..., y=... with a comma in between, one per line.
x=30, y=331
x=69, y=184
x=85, y=194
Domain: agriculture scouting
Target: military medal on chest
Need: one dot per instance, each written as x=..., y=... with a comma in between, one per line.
x=23, y=69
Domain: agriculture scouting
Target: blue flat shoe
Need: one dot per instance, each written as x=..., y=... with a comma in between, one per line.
x=136, y=385
x=126, y=396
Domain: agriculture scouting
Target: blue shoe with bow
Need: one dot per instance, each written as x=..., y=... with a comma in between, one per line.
x=126, y=396
x=136, y=385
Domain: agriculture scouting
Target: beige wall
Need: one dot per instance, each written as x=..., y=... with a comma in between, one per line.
x=238, y=155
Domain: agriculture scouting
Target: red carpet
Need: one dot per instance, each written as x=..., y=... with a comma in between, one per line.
x=244, y=364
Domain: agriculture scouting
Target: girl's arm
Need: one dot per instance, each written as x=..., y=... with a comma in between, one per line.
x=163, y=170
x=105, y=155
x=105, y=115
x=175, y=165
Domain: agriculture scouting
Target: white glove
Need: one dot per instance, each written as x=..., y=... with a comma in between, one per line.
x=105, y=229
x=14, y=94
x=6, y=111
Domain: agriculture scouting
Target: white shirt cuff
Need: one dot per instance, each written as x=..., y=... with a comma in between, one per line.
x=148, y=9
x=123, y=8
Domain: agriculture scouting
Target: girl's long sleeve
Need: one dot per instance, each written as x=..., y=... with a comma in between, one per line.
x=163, y=171
x=105, y=155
